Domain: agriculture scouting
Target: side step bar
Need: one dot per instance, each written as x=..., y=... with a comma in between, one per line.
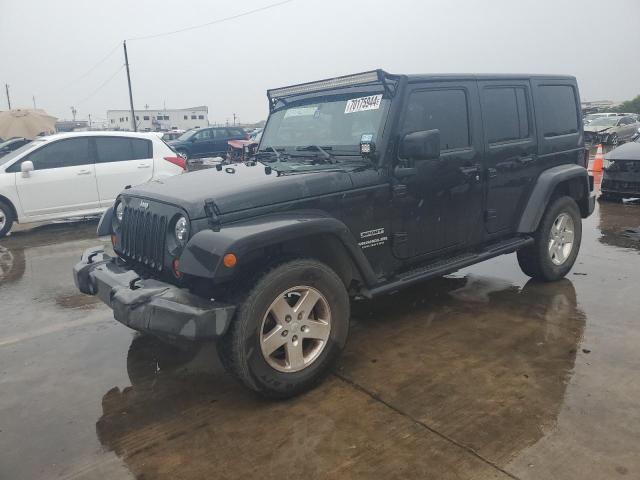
x=449, y=265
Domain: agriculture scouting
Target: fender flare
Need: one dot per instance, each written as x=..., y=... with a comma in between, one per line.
x=202, y=257
x=543, y=189
x=104, y=225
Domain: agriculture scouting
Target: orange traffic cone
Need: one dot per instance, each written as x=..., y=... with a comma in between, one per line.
x=598, y=162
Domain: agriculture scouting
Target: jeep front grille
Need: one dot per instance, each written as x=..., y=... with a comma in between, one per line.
x=142, y=237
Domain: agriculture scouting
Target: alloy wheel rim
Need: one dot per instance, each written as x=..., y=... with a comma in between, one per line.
x=295, y=329
x=561, y=239
x=3, y=219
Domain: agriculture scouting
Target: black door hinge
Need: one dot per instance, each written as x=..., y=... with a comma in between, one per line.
x=400, y=238
x=490, y=214
x=399, y=191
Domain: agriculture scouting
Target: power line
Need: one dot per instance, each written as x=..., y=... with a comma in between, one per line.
x=85, y=74
x=101, y=86
x=213, y=22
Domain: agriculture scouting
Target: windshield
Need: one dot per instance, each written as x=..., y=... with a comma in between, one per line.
x=604, y=122
x=11, y=155
x=186, y=135
x=338, y=125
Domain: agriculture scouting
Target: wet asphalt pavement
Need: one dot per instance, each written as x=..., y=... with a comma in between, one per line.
x=482, y=374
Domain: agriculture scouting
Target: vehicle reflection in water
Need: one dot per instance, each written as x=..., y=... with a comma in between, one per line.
x=620, y=224
x=482, y=361
x=14, y=247
x=12, y=265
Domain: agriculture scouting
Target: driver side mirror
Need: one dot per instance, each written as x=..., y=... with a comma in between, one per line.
x=26, y=167
x=423, y=145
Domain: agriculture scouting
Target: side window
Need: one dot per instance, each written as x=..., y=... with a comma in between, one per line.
x=204, y=134
x=63, y=153
x=558, y=110
x=120, y=149
x=219, y=133
x=505, y=114
x=141, y=148
x=445, y=110
x=113, y=149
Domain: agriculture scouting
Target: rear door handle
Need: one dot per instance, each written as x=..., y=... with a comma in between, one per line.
x=143, y=165
x=84, y=172
x=472, y=172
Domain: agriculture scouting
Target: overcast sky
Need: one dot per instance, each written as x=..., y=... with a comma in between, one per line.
x=46, y=45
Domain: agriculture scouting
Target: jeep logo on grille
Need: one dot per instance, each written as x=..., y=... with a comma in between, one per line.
x=144, y=204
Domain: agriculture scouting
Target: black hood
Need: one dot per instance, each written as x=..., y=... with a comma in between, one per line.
x=628, y=151
x=249, y=186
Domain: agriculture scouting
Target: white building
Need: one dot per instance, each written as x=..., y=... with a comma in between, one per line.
x=156, y=120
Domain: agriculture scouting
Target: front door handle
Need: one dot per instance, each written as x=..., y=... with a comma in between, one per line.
x=143, y=165
x=84, y=172
x=472, y=172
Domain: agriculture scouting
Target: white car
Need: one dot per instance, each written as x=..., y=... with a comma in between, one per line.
x=78, y=174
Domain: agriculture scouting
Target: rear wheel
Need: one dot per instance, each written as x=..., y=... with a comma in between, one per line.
x=556, y=242
x=6, y=218
x=289, y=329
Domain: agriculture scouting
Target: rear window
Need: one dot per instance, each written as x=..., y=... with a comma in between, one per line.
x=559, y=110
x=119, y=149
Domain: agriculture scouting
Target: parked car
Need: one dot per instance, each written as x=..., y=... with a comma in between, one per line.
x=11, y=145
x=78, y=174
x=206, y=142
x=363, y=185
x=611, y=130
x=170, y=135
x=621, y=178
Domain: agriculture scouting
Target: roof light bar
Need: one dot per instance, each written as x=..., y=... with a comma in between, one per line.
x=337, y=82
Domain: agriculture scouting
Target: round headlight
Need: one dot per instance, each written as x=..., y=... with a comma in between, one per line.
x=181, y=230
x=120, y=211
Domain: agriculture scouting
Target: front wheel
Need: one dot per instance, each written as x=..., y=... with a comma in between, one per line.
x=6, y=219
x=289, y=329
x=183, y=153
x=556, y=242
x=613, y=139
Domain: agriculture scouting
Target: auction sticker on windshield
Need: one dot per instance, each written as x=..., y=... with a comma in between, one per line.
x=361, y=104
x=301, y=112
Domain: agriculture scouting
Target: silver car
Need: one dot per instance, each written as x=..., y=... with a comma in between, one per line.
x=611, y=130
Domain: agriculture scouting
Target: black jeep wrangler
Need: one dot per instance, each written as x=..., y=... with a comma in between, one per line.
x=361, y=185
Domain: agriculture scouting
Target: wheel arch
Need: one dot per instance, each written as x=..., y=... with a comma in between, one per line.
x=11, y=205
x=569, y=180
x=258, y=243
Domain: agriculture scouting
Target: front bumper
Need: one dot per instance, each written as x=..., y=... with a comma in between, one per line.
x=149, y=305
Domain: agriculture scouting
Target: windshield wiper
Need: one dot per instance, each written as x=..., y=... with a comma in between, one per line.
x=270, y=149
x=328, y=158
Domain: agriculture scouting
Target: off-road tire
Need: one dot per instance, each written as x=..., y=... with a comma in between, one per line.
x=240, y=349
x=534, y=260
x=6, y=212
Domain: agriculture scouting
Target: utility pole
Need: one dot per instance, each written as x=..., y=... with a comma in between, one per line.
x=6, y=87
x=89, y=120
x=34, y=102
x=234, y=119
x=73, y=112
x=126, y=62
